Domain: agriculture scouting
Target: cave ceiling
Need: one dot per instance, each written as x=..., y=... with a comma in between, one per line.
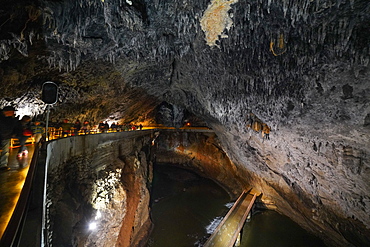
x=206, y=56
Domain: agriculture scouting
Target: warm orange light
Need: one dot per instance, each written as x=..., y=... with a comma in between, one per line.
x=18, y=186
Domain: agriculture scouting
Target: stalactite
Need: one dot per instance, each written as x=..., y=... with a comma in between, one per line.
x=4, y=50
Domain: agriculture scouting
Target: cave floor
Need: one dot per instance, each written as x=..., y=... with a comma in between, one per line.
x=11, y=184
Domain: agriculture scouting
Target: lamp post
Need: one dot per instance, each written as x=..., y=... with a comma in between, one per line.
x=50, y=97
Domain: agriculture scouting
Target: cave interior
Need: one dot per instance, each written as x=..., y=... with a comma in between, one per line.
x=299, y=66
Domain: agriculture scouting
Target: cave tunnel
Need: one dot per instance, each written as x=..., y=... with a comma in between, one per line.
x=284, y=86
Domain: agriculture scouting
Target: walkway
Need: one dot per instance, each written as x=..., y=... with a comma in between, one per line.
x=228, y=230
x=11, y=184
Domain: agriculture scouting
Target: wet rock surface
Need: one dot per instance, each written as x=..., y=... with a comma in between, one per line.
x=200, y=152
x=301, y=67
x=100, y=198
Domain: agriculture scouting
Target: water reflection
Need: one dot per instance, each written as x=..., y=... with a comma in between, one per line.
x=187, y=208
x=183, y=205
x=269, y=228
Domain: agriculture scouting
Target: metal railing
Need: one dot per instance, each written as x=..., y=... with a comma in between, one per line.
x=227, y=232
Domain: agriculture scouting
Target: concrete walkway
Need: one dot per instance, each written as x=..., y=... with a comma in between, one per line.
x=11, y=184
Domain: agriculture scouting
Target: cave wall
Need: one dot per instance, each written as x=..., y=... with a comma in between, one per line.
x=102, y=179
x=320, y=184
x=200, y=151
x=309, y=190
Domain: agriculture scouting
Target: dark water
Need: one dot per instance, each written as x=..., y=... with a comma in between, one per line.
x=186, y=209
x=269, y=228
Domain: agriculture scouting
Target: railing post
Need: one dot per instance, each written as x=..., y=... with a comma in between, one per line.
x=44, y=233
x=249, y=216
x=238, y=239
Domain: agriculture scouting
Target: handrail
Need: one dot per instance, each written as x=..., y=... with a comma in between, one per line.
x=231, y=238
x=241, y=222
x=12, y=230
x=236, y=203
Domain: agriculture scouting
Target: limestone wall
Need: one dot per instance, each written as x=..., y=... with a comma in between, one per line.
x=201, y=152
x=316, y=185
x=317, y=177
x=99, y=181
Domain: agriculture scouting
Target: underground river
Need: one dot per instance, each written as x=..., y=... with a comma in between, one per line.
x=186, y=208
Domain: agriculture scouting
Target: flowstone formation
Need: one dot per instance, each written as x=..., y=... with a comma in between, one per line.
x=215, y=20
x=300, y=66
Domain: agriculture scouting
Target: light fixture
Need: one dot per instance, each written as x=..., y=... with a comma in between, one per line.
x=92, y=226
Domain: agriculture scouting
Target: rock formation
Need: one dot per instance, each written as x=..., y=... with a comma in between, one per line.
x=300, y=66
x=98, y=190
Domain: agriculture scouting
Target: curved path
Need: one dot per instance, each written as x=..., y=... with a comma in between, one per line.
x=11, y=184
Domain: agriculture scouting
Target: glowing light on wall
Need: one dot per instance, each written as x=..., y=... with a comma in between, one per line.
x=92, y=226
x=29, y=110
x=98, y=215
x=103, y=191
x=109, y=121
x=27, y=105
